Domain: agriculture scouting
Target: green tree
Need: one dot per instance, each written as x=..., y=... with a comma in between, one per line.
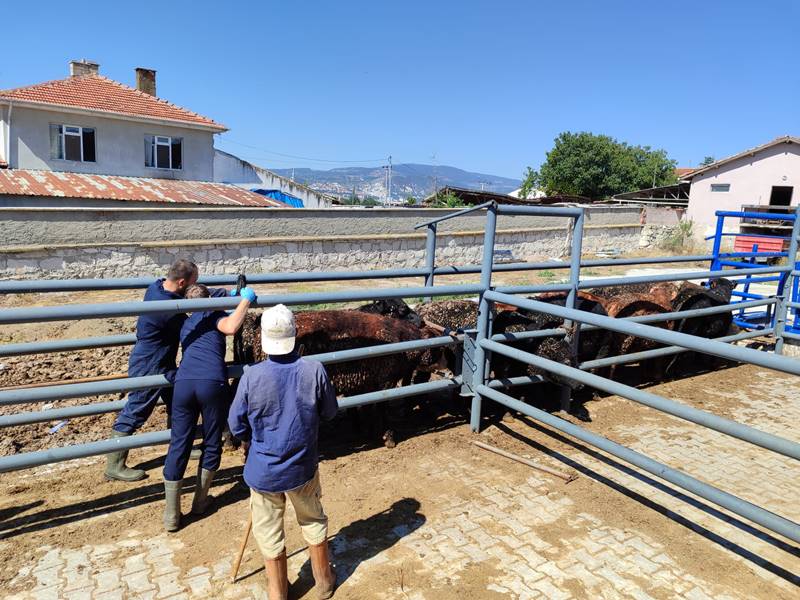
x=448, y=200
x=708, y=160
x=598, y=166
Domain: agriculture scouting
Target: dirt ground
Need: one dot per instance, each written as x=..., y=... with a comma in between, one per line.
x=378, y=497
x=392, y=511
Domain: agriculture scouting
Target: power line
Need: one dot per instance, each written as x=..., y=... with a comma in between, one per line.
x=306, y=158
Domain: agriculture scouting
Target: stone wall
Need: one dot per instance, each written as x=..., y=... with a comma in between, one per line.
x=86, y=257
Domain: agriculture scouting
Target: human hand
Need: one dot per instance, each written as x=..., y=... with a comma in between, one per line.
x=248, y=294
x=234, y=292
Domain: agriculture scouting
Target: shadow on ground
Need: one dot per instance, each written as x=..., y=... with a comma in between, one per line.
x=358, y=542
x=712, y=536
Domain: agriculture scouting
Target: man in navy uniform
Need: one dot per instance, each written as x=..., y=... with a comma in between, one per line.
x=155, y=353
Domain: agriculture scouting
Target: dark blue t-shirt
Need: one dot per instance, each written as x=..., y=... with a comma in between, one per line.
x=203, y=347
x=157, y=336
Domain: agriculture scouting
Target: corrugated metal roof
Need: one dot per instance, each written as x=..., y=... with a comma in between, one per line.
x=22, y=182
x=98, y=93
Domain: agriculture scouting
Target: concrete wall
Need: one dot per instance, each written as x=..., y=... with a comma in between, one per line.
x=26, y=226
x=232, y=169
x=751, y=179
x=119, y=243
x=119, y=146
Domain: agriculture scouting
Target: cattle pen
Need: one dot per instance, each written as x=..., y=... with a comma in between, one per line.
x=476, y=346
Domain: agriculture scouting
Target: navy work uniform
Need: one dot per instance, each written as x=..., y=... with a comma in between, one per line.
x=201, y=388
x=157, y=338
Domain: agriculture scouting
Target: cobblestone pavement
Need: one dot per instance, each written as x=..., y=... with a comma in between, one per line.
x=535, y=538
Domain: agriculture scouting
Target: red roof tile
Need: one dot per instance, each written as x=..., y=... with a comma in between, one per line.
x=22, y=182
x=98, y=93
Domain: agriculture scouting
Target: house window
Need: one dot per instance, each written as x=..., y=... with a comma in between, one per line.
x=70, y=142
x=720, y=187
x=161, y=152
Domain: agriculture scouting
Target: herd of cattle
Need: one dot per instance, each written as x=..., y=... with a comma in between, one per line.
x=390, y=321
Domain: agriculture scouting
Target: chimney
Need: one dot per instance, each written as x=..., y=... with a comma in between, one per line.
x=77, y=68
x=146, y=80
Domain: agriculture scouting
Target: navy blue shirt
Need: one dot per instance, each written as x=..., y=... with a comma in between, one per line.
x=278, y=406
x=203, y=347
x=157, y=336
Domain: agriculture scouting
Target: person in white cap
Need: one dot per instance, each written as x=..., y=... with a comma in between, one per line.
x=276, y=413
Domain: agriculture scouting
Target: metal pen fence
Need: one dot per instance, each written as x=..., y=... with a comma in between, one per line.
x=476, y=346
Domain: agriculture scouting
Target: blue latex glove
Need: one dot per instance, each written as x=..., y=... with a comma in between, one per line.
x=234, y=292
x=248, y=293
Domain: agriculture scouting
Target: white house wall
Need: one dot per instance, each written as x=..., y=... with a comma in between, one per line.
x=119, y=146
x=232, y=169
x=751, y=179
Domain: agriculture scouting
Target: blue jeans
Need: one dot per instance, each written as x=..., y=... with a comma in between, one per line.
x=193, y=398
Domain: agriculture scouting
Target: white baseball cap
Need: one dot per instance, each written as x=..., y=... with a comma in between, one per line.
x=278, y=330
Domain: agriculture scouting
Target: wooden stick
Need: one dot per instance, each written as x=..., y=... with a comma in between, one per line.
x=566, y=477
x=242, y=548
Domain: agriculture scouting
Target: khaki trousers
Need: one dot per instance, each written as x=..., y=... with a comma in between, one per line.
x=268, y=510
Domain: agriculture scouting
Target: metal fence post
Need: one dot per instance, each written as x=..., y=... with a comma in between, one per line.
x=785, y=287
x=576, y=248
x=430, y=257
x=717, y=243
x=484, y=308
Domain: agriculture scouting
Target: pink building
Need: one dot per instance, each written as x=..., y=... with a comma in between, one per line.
x=768, y=175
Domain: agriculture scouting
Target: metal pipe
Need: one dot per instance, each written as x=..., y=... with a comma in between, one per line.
x=678, y=276
x=398, y=392
x=79, y=390
x=527, y=335
x=728, y=501
x=785, y=288
x=672, y=338
x=540, y=211
x=484, y=315
x=576, y=244
x=26, y=348
x=430, y=257
x=534, y=289
x=666, y=351
x=458, y=213
x=82, y=285
x=59, y=414
x=754, y=215
x=121, y=309
x=27, y=460
x=340, y=356
x=676, y=409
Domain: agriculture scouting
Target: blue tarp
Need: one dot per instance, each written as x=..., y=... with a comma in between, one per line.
x=280, y=197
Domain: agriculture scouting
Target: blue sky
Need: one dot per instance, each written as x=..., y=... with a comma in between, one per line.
x=484, y=86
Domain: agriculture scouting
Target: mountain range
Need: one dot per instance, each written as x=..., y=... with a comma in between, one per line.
x=408, y=179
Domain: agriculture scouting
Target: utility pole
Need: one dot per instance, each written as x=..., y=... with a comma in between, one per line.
x=389, y=186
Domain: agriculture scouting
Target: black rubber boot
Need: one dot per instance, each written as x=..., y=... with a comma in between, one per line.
x=115, y=464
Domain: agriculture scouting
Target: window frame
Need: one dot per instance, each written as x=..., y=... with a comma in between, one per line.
x=62, y=134
x=166, y=141
x=720, y=188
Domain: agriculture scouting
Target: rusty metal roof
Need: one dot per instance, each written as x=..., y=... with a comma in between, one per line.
x=23, y=182
x=101, y=94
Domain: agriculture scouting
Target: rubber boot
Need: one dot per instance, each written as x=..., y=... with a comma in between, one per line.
x=201, y=500
x=115, y=464
x=324, y=575
x=172, y=510
x=277, y=578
